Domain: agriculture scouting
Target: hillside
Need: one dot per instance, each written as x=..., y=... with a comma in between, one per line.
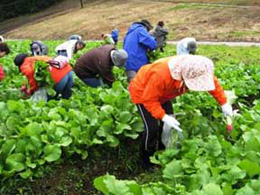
x=232, y=20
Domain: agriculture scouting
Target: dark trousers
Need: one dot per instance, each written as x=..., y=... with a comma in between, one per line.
x=151, y=137
x=161, y=49
x=93, y=82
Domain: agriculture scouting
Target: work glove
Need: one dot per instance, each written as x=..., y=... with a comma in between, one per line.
x=23, y=88
x=171, y=122
x=28, y=92
x=227, y=110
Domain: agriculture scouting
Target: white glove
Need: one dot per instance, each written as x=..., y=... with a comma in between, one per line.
x=227, y=110
x=171, y=122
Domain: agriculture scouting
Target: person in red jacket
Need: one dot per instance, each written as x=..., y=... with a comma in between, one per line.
x=4, y=50
x=61, y=76
x=158, y=83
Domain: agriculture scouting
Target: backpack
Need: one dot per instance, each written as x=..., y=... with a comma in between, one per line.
x=38, y=48
x=59, y=62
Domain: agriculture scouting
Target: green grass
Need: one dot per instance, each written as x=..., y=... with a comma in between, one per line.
x=245, y=33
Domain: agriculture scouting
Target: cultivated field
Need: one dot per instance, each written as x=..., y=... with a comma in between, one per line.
x=61, y=147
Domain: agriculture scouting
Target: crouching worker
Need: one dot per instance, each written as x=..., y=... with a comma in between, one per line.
x=69, y=48
x=187, y=45
x=61, y=74
x=38, y=48
x=157, y=83
x=107, y=39
x=160, y=34
x=114, y=35
x=4, y=50
x=94, y=68
x=75, y=37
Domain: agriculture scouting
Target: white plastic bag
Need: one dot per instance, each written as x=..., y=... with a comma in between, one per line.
x=170, y=137
x=166, y=134
x=39, y=95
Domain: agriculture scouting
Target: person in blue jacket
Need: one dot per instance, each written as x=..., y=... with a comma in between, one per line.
x=114, y=35
x=137, y=43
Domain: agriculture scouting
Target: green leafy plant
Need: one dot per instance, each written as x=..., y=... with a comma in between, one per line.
x=207, y=161
x=43, y=76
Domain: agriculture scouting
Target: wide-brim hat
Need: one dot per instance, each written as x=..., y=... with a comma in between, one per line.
x=201, y=83
x=147, y=24
x=198, y=73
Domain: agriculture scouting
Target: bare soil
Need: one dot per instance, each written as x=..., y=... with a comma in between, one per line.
x=228, y=21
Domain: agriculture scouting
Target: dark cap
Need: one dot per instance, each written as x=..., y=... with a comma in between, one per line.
x=160, y=23
x=146, y=23
x=19, y=59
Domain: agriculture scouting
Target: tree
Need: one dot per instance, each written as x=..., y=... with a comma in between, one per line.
x=81, y=4
x=19, y=7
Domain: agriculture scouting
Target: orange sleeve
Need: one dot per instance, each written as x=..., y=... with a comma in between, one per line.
x=218, y=93
x=151, y=94
x=33, y=84
x=27, y=70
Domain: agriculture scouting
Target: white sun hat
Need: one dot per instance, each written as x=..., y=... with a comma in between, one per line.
x=196, y=71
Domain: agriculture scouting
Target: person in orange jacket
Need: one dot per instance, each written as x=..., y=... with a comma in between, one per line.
x=165, y=79
x=61, y=76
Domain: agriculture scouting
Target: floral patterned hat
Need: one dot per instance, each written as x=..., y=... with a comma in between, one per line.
x=196, y=71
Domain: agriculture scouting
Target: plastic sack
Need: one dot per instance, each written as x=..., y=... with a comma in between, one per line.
x=39, y=95
x=170, y=137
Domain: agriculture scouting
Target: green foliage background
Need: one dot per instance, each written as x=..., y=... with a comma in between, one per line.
x=10, y=9
x=36, y=135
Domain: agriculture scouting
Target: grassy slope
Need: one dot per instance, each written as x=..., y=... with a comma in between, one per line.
x=203, y=21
